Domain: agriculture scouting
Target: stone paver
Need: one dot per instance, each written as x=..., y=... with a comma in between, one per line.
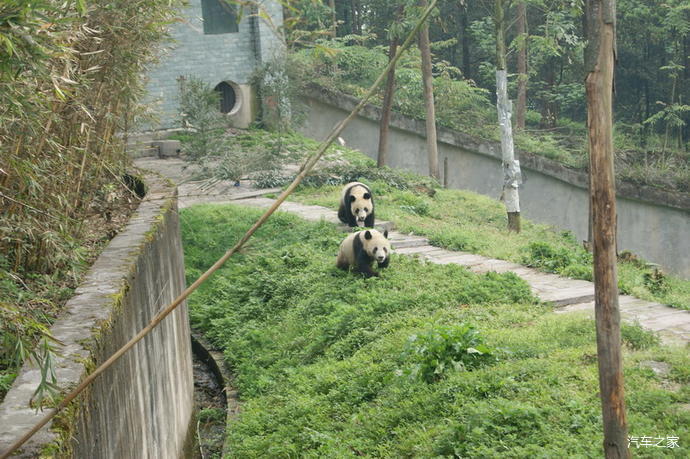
x=568, y=295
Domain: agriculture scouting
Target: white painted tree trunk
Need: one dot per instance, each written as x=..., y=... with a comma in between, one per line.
x=511, y=167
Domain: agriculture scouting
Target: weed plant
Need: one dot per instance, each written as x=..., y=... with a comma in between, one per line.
x=329, y=364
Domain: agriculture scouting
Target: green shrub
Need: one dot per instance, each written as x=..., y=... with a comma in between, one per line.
x=546, y=257
x=655, y=281
x=636, y=337
x=393, y=179
x=432, y=355
x=211, y=415
x=199, y=109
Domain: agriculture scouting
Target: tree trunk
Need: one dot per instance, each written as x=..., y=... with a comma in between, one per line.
x=356, y=25
x=428, y=81
x=387, y=108
x=466, y=58
x=521, y=67
x=599, y=63
x=511, y=166
x=334, y=20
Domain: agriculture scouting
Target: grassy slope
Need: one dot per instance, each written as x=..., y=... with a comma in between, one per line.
x=318, y=353
x=467, y=221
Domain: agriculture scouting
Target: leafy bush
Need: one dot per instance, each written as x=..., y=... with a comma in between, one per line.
x=548, y=258
x=432, y=355
x=655, y=281
x=200, y=114
x=270, y=179
x=394, y=179
x=636, y=337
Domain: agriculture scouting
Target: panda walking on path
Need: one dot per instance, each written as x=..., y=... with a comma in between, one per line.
x=356, y=206
x=359, y=250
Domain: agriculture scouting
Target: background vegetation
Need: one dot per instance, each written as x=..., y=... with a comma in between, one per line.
x=70, y=78
x=652, y=75
x=329, y=364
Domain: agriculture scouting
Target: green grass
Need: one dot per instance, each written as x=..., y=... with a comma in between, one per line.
x=467, y=221
x=322, y=357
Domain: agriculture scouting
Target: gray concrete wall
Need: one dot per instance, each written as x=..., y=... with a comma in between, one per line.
x=651, y=223
x=142, y=406
x=211, y=58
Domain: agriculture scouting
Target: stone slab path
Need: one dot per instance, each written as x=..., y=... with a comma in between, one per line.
x=567, y=295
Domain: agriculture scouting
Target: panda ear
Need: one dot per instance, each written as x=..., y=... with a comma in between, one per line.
x=367, y=195
x=367, y=235
x=352, y=198
x=385, y=234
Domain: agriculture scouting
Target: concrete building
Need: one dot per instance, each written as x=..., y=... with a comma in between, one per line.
x=210, y=44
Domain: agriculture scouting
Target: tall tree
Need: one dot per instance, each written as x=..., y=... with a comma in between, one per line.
x=428, y=81
x=511, y=167
x=334, y=20
x=387, y=108
x=521, y=11
x=599, y=63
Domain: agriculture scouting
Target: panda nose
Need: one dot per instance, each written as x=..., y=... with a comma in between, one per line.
x=381, y=257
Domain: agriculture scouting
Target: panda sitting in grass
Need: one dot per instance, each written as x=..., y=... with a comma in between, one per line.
x=356, y=205
x=359, y=250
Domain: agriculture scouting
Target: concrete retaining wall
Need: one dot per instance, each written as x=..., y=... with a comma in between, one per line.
x=652, y=223
x=142, y=406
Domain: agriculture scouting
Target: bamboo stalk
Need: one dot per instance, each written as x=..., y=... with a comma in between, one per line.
x=309, y=164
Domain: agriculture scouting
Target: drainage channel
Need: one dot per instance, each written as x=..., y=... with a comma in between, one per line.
x=215, y=404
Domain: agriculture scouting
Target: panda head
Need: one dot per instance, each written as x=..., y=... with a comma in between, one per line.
x=361, y=204
x=377, y=245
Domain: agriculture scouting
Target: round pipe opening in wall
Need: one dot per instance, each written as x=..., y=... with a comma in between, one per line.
x=230, y=99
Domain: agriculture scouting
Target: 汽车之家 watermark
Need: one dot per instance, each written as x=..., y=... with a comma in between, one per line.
x=653, y=442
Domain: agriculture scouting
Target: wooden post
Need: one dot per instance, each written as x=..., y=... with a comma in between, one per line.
x=445, y=172
x=428, y=81
x=599, y=62
x=511, y=166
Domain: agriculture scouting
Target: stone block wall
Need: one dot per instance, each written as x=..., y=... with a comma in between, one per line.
x=211, y=58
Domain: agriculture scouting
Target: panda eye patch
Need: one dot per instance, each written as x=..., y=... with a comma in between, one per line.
x=366, y=210
x=356, y=210
x=375, y=249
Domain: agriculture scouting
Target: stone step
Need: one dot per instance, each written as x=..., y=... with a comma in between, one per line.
x=499, y=266
x=458, y=258
x=565, y=297
x=410, y=242
x=420, y=249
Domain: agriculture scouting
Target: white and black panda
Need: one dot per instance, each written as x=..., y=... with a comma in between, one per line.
x=359, y=250
x=356, y=205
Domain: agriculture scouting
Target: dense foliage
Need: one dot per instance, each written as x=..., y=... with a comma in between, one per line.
x=70, y=78
x=652, y=76
x=329, y=364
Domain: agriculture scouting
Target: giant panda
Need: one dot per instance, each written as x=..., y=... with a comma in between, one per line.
x=356, y=205
x=359, y=250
